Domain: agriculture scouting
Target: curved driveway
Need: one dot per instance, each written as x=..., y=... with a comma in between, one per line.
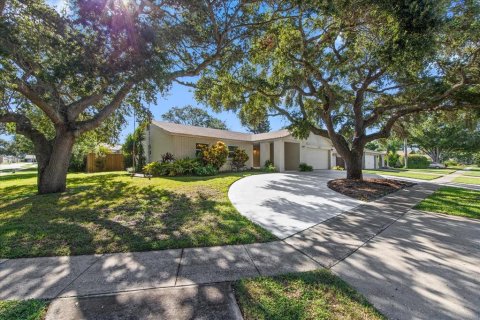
x=287, y=203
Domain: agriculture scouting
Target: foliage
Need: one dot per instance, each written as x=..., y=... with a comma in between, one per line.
x=240, y=157
x=417, y=161
x=33, y=309
x=168, y=157
x=113, y=212
x=339, y=168
x=301, y=296
x=214, y=155
x=132, y=141
x=305, y=167
x=253, y=123
x=171, y=168
x=348, y=70
x=439, y=136
x=394, y=159
x=451, y=163
x=63, y=74
x=193, y=116
x=269, y=166
x=206, y=170
x=17, y=146
x=476, y=159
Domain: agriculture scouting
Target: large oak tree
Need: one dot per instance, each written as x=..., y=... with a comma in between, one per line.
x=348, y=70
x=99, y=58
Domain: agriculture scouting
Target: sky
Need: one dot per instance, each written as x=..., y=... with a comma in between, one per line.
x=180, y=96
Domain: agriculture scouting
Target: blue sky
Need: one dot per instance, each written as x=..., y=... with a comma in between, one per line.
x=180, y=96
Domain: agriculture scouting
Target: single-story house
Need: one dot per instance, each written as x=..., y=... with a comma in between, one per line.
x=280, y=147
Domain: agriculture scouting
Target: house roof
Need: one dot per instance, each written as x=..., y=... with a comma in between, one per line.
x=181, y=129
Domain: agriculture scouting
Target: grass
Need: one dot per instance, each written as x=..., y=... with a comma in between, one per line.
x=310, y=295
x=453, y=201
x=112, y=212
x=421, y=174
x=473, y=173
x=25, y=310
x=467, y=180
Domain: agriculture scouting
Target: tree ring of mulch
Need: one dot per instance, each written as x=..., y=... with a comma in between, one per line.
x=367, y=189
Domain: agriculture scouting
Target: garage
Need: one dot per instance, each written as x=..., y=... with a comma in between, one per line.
x=292, y=156
x=317, y=158
x=369, y=161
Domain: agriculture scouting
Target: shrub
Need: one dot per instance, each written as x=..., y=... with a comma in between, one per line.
x=207, y=170
x=154, y=169
x=339, y=168
x=451, y=163
x=174, y=168
x=215, y=155
x=394, y=159
x=268, y=163
x=240, y=157
x=476, y=159
x=417, y=161
x=305, y=167
x=188, y=165
x=167, y=157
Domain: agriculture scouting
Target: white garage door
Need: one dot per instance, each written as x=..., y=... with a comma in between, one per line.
x=369, y=162
x=316, y=157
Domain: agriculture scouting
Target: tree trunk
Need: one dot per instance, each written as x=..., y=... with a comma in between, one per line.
x=354, y=164
x=52, y=168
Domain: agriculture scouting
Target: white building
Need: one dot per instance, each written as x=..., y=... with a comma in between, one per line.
x=280, y=147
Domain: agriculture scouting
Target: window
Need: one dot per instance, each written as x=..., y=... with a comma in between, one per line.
x=199, y=147
x=231, y=151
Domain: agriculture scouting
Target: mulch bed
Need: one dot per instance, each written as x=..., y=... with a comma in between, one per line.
x=367, y=189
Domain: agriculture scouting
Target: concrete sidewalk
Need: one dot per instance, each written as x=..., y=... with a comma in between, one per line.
x=425, y=266
x=322, y=245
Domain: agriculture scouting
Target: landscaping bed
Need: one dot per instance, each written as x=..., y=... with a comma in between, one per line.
x=367, y=189
x=310, y=295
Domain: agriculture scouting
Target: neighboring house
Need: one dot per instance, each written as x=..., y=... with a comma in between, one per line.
x=30, y=158
x=280, y=147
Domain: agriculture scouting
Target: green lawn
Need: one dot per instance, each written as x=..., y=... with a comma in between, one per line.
x=309, y=295
x=25, y=310
x=467, y=180
x=454, y=201
x=473, y=173
x=422, y=174
x=112, y=212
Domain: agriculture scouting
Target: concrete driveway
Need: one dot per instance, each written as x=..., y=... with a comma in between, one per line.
x=287, y=203
x=424, y=266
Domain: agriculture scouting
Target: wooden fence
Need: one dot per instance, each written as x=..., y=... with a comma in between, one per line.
x=111, y=162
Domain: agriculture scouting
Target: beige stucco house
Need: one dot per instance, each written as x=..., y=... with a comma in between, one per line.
x=280, y=147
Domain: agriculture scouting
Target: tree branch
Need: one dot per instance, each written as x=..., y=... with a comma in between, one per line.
x=106, y=111
x=31, y=95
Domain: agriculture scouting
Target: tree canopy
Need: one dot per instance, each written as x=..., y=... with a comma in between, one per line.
x=94, y=63
x=441, y=136
x=348, y=70
x=193, y=116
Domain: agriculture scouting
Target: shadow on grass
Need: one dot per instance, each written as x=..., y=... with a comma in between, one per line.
x=28, y=309
x=309, y=295
x=100, y=214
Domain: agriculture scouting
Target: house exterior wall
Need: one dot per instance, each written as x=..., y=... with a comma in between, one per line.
x=264, y=152
x=185, y=146
x=315, y=150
